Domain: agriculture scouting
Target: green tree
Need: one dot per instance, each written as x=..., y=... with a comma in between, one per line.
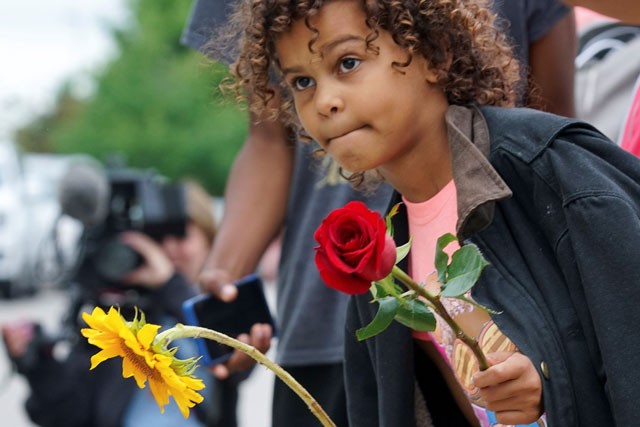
x=156, y=104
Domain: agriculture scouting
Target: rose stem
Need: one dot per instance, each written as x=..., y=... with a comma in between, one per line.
x=182, y=331
x=472, y=343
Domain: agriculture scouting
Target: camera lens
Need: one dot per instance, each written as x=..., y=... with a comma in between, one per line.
x=115, y=259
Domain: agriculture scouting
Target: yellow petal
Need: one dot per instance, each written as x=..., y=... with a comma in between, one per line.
x=160, y=393
x=194, y=396
x=103, y=355
x=88, y=333
x=105, y=341
x=184, y=405
x=96, y=319
x=193, y=383
x=147, y=333
x=186, y=400
x=114, y=321
x=129, y=369
x=151, y=359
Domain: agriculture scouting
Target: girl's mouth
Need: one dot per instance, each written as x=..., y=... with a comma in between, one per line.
x=329, y=140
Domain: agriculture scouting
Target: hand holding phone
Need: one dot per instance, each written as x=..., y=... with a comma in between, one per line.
x=231, y=318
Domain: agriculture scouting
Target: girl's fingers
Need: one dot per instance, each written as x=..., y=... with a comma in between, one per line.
x=506, y=369
x=514, y=403
x=514, y=388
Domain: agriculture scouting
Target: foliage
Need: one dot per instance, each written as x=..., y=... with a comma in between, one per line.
x=156, y=104
x=456, y=278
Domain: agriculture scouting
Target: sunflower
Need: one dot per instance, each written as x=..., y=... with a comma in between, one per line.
x=133, y=341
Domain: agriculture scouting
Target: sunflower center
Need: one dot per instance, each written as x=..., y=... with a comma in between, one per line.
x=140, y=363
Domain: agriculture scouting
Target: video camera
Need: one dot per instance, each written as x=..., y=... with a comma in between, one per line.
x=111, y=203
x=107, y=203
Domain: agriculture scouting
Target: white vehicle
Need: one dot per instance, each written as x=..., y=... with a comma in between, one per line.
x=53, y=241
x=14, y=218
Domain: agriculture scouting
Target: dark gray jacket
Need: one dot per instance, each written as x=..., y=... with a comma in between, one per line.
x=563, y=270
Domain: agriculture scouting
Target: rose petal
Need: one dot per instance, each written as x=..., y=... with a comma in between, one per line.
x=387, y=258
x=338, y=280
x=354, y=248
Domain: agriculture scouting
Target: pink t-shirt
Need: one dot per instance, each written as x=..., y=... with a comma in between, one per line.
x=427, y=222
x=631, y=136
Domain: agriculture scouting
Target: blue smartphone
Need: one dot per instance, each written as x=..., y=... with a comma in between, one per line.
x=231, y=318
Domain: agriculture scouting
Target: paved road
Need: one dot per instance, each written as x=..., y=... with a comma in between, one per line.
x=47, y=307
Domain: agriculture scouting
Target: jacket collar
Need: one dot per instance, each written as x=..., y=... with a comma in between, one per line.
x=478, y=185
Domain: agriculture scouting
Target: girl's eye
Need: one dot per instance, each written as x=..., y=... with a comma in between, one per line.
x=348, y=64
x=302, y=83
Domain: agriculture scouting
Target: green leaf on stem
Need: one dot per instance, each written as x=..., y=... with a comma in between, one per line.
x=480, y=306
x=385, y=287
x=386, y=311
x=403, y=251
x=442, y=259
x=377, y=291
x=391, y=214
x=416, y=315
x=464, y=270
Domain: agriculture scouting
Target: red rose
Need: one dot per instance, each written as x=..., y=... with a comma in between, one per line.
x=354, y=249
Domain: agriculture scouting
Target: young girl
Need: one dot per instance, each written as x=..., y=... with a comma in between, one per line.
x=411, y=89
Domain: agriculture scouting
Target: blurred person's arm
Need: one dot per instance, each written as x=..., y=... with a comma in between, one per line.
x=255, y=206
x=255, y=196
x=627, y=11
x=255, y=209
x=60, y=392
x=551, y=61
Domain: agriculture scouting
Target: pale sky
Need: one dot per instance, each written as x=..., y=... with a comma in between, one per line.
x=45, y=42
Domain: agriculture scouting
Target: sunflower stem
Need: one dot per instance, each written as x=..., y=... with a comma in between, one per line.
x=183, y=331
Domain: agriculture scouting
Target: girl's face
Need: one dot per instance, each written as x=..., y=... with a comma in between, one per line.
x=188, y=253
x=362, y=110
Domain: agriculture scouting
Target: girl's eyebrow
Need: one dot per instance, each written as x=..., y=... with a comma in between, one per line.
x=290, y=70
x=340, y=40
x=326, y=48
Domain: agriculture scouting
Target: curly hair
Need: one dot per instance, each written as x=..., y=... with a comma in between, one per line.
x=469, y=55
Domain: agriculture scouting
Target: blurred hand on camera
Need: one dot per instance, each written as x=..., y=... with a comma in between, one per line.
x=156, y=268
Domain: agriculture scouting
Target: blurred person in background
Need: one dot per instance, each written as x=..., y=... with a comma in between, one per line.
x=63, y=392
x=278, y=177
x=627, y=12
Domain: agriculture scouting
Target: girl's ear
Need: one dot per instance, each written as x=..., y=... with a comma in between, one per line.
x=430, y=75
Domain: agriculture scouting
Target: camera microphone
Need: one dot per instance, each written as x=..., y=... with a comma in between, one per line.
x=84, y=193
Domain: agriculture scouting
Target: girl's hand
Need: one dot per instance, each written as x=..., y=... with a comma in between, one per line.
x=511, y=388
x=156, y=269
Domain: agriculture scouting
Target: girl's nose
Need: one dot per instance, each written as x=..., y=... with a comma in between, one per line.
x=329, y=100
